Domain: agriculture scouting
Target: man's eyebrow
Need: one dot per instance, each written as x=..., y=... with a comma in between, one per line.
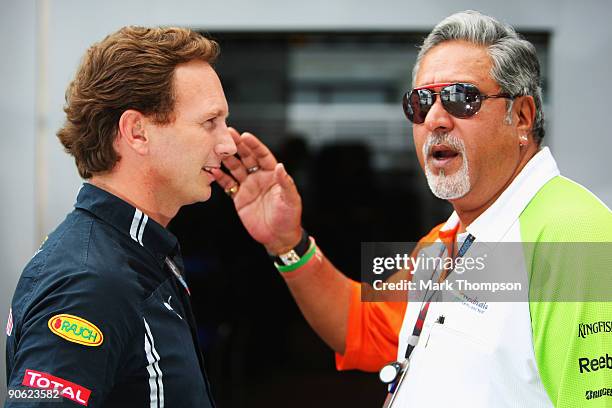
x=215, y=113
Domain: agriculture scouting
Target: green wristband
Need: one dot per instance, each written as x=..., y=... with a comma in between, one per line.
x=301, y=262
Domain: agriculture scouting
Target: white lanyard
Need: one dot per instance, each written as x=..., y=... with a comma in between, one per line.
x=402, y=367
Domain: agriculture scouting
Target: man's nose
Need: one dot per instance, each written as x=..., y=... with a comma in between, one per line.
x=225, y=146
x=438, y=117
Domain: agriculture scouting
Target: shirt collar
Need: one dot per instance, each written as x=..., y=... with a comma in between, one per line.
x=127, y=219
x=495, y=221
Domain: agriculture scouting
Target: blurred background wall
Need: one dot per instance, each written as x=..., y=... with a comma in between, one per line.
x=326, y=67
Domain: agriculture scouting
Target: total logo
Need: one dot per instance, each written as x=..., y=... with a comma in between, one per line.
x=76, y=330
x=67, y=389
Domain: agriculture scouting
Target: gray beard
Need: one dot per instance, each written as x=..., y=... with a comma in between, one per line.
x=447, y=187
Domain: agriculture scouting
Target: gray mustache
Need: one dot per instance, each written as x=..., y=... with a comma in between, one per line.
x=443, y=138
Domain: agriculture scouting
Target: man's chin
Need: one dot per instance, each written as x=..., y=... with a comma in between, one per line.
x=205, y=196
x=451, y=197
x=458, y=199
x=446, y=189
x=202, y=195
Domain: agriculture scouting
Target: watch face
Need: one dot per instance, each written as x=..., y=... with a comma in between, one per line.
x=290, y=257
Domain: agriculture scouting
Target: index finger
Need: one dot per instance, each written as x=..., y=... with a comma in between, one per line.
x=263, y=155
x=247, y=157
x=235, y=135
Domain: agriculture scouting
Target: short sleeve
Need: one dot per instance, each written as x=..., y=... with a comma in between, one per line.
x=372, y=333
x=373, y=327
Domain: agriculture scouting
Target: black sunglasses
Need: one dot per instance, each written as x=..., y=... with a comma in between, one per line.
x=459, y=99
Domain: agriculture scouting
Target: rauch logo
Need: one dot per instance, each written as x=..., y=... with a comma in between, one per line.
x=76, y=330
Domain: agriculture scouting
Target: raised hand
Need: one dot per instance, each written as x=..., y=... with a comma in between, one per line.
x=265, y=196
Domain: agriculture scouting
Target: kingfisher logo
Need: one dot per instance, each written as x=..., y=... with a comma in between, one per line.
x=76, y=330
x=586, y=329
x=473, y=303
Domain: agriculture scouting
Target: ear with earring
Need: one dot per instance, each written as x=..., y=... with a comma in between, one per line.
x=523, y=140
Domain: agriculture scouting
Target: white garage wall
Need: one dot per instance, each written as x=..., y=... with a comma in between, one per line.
x=17, y=151
x=31, y=205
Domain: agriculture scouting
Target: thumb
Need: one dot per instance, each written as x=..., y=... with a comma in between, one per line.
x=288, y=189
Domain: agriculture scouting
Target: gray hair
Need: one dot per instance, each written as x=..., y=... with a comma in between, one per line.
x=515, y=63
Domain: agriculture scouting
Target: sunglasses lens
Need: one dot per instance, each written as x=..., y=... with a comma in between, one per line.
x=461, y=100
x=416, y=105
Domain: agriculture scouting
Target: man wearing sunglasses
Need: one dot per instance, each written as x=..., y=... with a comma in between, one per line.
x=476, y=107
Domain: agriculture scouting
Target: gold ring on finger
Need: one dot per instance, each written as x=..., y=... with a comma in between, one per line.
x=231, y=191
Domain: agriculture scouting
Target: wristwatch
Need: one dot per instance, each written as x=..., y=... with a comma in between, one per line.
x=294, y=255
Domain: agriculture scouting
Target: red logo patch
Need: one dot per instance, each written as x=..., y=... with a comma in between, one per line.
x=67, y=389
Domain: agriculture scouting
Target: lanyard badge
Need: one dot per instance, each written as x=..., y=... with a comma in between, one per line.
x=393, y=374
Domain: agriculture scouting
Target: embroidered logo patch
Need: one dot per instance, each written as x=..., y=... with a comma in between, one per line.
x=9, y=323
x=67, y=389
x=76, y=330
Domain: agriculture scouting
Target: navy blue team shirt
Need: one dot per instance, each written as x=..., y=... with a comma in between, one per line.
x=99, y=317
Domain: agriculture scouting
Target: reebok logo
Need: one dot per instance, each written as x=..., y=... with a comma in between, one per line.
x=595, y=364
